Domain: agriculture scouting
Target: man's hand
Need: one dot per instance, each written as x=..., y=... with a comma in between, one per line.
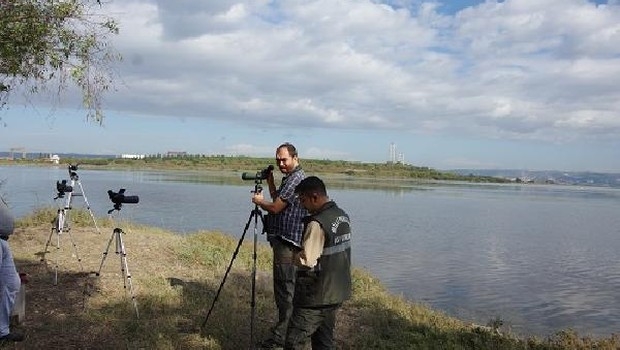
x=299, y=259
x=258, y=198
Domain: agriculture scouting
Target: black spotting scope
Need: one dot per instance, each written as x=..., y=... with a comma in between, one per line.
x=120, y=197
x=259, y=175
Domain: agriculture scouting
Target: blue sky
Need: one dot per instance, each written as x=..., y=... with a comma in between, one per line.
x=527, y=84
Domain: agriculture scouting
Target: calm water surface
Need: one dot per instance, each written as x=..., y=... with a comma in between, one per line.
x=542, y=258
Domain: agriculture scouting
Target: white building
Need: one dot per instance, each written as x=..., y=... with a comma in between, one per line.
x=54, y=158
x=132, y=156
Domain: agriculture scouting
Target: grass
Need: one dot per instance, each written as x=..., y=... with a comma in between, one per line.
x=175, y=280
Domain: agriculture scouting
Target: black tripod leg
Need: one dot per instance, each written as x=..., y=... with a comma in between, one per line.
x=247, y=225
x=257, y=214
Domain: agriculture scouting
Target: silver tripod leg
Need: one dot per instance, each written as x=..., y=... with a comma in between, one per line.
x=92, y=216
x=107, y=249
x=75, y=250
x=55, y=229
x=60, y=226
x=120, y=249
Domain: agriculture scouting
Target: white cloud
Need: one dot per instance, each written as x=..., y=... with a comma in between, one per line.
x=517, y=69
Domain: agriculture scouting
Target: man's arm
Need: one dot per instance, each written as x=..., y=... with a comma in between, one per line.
x=274, y=207
x=272, y=186
x=312, y=245
x=281, y=199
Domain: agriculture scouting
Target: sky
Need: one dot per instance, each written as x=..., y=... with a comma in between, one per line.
x=513, y=84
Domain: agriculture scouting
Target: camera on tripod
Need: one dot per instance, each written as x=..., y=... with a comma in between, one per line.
x=62, y=188
x=119, y=198
x=259, y=175
x=73, y=171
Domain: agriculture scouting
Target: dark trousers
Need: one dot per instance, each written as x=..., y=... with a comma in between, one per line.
x=284, y=272
x=312, y=324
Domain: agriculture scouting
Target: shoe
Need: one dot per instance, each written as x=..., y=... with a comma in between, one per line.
x=12, y=337
x=270, y=344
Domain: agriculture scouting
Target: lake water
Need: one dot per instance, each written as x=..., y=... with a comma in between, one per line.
x=542, y=258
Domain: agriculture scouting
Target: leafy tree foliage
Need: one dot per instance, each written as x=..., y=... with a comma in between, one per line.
x=56, y=42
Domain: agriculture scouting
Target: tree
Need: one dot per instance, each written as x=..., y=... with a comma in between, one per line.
x=56, y=42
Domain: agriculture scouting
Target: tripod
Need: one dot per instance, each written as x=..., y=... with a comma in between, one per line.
x=61, y=222
x=255, y=214
x=117, y=236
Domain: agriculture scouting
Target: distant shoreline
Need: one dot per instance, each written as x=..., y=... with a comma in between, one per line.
x=344, y=170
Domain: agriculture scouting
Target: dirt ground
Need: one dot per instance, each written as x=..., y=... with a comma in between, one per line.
x=60, y=285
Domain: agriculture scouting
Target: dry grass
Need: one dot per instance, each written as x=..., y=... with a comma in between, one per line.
x=86, y=311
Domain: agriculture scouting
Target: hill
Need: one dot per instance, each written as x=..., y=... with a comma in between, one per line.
x=242, y=163
x=342, y=167
x=583, y=178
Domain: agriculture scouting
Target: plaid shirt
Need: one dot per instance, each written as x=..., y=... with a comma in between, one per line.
x=288, y=224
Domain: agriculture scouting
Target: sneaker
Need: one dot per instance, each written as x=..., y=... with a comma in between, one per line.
x=12, y=337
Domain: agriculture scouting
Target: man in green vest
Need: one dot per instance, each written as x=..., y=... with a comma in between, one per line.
x=324, y=269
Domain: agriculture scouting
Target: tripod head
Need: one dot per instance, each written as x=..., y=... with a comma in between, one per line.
x=73, y=171
x=62, y=188
x=119, y=198
x=257, y=188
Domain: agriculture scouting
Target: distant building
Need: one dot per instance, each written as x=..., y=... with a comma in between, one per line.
x=18, y=150
x=132, y=156
x=394, y=158
x=176, y=154
x=54, y=158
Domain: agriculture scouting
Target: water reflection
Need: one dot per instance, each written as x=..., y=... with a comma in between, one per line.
x=395, y=186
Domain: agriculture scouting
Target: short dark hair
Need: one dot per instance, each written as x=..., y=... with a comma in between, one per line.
x=311, y=184
x=292, y=151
